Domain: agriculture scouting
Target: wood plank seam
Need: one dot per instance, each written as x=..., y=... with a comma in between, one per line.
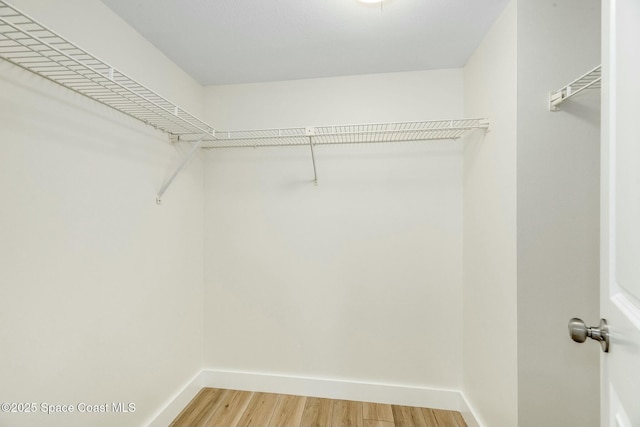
x=234, y=408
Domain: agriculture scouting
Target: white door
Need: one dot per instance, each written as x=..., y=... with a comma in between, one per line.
x=620, y=226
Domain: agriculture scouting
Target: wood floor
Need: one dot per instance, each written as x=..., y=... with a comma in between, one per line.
x=233, y=408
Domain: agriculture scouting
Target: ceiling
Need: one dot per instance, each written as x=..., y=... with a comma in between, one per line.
x=244, y=41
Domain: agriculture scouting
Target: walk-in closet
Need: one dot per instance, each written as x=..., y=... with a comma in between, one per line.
x=332, y=213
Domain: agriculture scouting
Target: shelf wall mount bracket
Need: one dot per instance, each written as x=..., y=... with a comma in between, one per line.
x=589, y=80
x=186, y=159
x=484, y=124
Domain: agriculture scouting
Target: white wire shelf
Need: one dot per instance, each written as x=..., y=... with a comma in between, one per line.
x=589, y=80
x=346, y=134
x=30, y=45
x=34, y=47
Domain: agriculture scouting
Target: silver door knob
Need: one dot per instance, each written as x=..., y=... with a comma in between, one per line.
x=579, y=332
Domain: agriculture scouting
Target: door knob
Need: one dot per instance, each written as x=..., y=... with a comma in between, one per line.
x=579, y=332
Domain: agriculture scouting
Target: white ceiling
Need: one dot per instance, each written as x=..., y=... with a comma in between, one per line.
x=245, y=41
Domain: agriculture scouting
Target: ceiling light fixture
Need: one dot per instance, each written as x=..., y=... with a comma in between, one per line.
x=372, y=2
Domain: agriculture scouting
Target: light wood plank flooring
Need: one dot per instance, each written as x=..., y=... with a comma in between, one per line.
x=214, y=407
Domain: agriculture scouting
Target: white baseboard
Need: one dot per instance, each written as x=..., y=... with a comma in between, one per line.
x=469, y=413
x=335, y=389
x=180, y=400
x=396, y=394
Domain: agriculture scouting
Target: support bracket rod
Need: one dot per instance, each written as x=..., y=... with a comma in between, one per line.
x=196, y=145
x=310, y=132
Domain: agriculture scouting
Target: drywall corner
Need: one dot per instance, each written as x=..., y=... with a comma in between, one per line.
x=489, y=215
x=174, y=405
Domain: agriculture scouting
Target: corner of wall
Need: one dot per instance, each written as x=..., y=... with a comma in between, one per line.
x=490, y=235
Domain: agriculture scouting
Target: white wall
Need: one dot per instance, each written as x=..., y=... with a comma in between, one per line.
x=558, y=213
x=358, y=278
x=533, y=375
x=100, y=287
x=490, y=286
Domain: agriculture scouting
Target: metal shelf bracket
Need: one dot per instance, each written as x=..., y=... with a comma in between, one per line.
x=589, y=80
x=196, y=146
x=310, y=132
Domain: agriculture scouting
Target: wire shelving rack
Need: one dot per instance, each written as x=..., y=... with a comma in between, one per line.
x=32, y=46
x=347, y=134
